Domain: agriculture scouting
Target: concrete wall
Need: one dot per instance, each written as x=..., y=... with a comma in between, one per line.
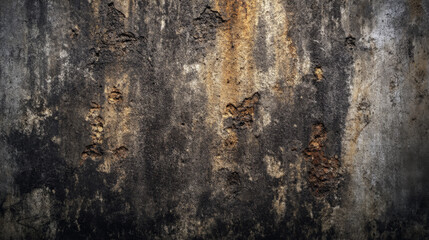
x=214, y=119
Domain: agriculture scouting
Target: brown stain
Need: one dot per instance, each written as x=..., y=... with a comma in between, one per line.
x=110, y=128
x=323, y=175
x=416, y=8
x=230, y=68
x=117, y=117
x=229, y=73
x=240, y=117
x=94, y=151
x=236, y=42
x=419, y=69
x=286, y=57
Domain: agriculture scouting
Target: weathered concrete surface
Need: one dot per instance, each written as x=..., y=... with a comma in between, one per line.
x=214, y=119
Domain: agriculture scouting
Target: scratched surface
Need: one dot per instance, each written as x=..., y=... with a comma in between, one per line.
x=214, y=119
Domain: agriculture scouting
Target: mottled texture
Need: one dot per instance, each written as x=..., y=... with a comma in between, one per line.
x=213, y=119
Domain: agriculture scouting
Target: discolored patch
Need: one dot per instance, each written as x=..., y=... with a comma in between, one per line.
x=94, y=150
x=120, y=152
x=274, y=168
x=242, y=116
x=115, y=96
x=350, y=42
x=232, y=139
x=416, y=8
x=318, y=72
x=323, y=173
x=206, y=24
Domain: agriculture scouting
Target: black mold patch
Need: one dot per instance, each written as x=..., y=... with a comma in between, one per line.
x=38, y=162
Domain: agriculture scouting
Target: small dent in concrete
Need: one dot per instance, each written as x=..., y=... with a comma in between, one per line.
x=242, y=116
x=350, y=42
x=120, y=152
x=318, y=72
x=115, y=96
x=205, y=25
x=323, y=173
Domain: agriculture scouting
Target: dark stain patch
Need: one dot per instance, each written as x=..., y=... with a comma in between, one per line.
x=323, y=175
x=350, y=42
x=233, y=178
x=232, y=185
x=241, y=117
x=416, y=8
x=115, y=96
x=38, y=162
x=115, y=11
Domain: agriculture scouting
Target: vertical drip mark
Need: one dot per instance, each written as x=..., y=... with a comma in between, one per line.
x=286, y=58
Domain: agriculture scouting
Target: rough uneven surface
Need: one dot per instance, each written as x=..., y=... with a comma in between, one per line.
x=214, y=119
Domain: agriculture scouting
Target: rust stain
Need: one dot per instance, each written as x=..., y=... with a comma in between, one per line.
x=230, y=74
x=323, y=174
x=236, y=42
x=230, y=68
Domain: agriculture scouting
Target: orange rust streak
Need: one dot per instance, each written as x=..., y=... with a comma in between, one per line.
x=324, y=171
x=236, y=40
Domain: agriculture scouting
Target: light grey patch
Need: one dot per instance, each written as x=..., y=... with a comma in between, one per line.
x=260, y=52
